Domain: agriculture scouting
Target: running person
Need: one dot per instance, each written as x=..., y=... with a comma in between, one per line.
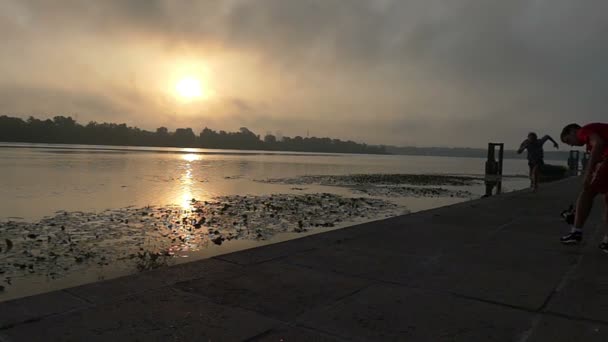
x=536, y=155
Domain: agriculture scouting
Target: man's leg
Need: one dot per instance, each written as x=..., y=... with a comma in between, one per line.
x=604, y=243
x=599, y=185
x=536, y=176
x=583, y=208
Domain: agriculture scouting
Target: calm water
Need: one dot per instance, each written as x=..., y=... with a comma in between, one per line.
x=39, y=181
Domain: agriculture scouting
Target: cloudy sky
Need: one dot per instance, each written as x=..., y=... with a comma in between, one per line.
x=403, y=72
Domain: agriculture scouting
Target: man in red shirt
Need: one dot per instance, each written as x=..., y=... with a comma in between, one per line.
x=595, y=180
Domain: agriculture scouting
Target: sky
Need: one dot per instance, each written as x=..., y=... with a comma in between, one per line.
x=456, y=73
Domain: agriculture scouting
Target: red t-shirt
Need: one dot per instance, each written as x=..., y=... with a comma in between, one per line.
x=600, y=129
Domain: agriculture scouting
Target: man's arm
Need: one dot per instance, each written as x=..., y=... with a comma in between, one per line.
x=523, y=146
x=548, y=137
x=597, y=150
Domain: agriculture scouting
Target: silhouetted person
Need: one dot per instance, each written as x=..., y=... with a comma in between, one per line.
x=595, y=176
x=536, y=155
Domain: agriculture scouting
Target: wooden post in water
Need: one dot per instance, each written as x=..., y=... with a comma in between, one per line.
x=584, y=161
x=501, y=153
x=573, y=162
x=493, y=176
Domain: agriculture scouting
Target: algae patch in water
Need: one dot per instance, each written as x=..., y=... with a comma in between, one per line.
x=145, y=238
x=390, y=185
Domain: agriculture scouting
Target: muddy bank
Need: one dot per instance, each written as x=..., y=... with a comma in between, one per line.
x=391, y=185
x=410, y=191
x=144, y=238
x=380, y=179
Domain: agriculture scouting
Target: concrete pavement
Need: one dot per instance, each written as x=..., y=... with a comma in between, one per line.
x=486, y=270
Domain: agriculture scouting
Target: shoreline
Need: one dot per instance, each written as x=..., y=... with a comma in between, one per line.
x=75, y=248
x=361, y=281
x=23, y=286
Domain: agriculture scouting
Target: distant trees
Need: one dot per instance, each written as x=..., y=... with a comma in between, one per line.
x=270, y=139
x=184, y=137
x=65, y=130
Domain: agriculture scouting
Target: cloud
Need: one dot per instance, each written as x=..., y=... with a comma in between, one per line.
x=429, y=72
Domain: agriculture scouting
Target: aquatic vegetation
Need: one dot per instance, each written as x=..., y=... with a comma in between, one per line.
x=147, y=238
x=411, y=191
x=390, y=185
x=381, y=179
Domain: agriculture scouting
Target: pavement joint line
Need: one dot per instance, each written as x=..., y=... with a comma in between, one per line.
x=575, y=318
x=424, y=289
x=525, y=336
x=262, y=334
x=199, y=295
x=88, y=303
x=562, y=283
x=560, y=286
x=487, y=301
x=41, y=318
x=122, y=297
x=503, y=226
x=76, y=295
x=352, y=293
x=82, y=308
x=454, y=294
x=220, y=257
x=328, y=271
x=387, y=282
x=376, y=281
x=27, y=321
x=337, y=301
x=278, y=319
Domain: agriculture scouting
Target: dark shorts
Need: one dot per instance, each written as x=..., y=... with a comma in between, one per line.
x=599, y=181
x=533, y=163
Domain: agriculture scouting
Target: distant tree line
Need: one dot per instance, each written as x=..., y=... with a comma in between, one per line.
x=65, y=130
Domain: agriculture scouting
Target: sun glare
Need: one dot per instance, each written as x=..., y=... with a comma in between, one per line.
x=189, y=88
x=190, y=157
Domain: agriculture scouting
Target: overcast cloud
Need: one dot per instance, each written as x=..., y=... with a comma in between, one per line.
x=419, y=72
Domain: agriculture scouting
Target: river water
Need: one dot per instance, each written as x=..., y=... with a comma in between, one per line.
x=45, y=186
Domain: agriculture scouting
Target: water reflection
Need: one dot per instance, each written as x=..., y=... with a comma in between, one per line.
x=186, y=181
x=190, y=157
x=172, y=226
x=97, y=182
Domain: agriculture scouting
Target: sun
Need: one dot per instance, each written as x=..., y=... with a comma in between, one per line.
x=189, y=88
